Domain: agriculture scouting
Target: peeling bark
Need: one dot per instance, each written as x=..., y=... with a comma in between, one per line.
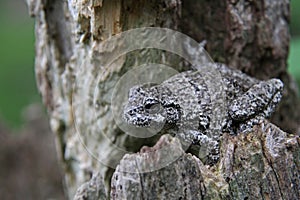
x=261, y=165
x=249, y=35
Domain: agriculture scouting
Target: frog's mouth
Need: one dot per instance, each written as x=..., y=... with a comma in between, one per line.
x=132, y=117
x=141, y=122
x=143, y=119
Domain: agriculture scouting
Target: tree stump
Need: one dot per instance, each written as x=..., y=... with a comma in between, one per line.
x=248, y=35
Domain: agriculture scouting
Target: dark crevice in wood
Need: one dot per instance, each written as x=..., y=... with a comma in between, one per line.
x=58, y=30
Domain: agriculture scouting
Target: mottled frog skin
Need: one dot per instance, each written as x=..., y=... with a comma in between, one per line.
x=182, y=104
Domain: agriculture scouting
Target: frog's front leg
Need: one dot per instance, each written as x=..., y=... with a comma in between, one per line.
x=257, y=103
x=200, y=144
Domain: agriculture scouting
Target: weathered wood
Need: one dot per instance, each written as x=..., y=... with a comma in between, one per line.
x=92, y=190
x=185, y=178
x=263, y=164
x=245, y=34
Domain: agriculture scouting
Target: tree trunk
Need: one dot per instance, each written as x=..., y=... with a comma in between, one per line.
x=71, y=65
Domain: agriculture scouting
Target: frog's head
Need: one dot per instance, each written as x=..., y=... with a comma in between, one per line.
x=149, y=105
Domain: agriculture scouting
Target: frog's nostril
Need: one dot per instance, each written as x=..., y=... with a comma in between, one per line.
x=130, y=112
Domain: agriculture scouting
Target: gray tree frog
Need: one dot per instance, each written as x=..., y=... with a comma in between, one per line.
x=183, y=105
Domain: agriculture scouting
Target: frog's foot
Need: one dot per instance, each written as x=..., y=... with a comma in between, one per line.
x=247, y=126
x=213, y=153
x=209, y=149
x=200, y=145
x=273, y=103
x=253, y=106
x=260, y=100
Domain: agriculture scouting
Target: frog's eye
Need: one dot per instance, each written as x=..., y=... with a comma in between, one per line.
x=152, y=106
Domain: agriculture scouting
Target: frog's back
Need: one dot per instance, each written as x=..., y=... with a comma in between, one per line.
x=191, y=93
x=235, y=82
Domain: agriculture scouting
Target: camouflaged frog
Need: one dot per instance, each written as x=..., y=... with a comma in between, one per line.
x=182, y=104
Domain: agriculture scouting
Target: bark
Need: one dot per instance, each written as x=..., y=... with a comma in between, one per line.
x=261, y=165
x=247, y=35
x=252, y=36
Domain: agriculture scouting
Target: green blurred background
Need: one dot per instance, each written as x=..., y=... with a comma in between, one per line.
x=17, y=80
